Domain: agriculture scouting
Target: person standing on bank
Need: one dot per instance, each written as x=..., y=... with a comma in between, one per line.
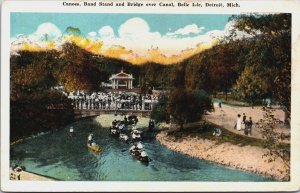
x=250, y=126
x=244, y=119
x=220, y=105
x=238, y=124
x=246, y=127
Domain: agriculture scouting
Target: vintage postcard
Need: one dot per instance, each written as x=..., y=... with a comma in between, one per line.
x=150, y=96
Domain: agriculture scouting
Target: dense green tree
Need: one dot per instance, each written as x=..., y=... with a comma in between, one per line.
x=32, y=72
x=197, y=70
x=271, y=24
x=282, y=89
x=159, y=112
x=252, y=85
x=222, y=69
x=156, y=75
x=177, y=75
x=204, y=100
x=187, y=106
x=79, y=70
x=274, y=139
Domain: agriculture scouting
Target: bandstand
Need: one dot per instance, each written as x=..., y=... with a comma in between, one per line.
x=121, y=80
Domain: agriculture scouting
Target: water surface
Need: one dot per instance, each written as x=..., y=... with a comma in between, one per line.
x=55, y=155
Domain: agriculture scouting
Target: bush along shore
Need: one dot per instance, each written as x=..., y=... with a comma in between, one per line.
x=36, y=130
x=229, y=149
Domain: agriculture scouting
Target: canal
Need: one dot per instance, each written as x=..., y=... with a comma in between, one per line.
x=68, y=159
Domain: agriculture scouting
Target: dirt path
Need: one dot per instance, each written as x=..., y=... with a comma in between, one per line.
x=227, y=115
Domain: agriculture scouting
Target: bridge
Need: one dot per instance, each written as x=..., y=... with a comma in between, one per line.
x=91, y=107
x=82, y=113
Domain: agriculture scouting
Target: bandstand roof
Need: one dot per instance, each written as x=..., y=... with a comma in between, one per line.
x=121, y=75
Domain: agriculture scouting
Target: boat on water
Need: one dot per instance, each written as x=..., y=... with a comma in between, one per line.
x=123, y=137
x=137, y=152
x=140, y=155
x=94, y=147
x=114, y=131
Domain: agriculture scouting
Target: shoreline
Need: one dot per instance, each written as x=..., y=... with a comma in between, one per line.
x=29, y=176
x=246, y=158
x=34, y=135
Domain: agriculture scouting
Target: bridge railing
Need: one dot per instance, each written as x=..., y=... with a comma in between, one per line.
x=91, y=104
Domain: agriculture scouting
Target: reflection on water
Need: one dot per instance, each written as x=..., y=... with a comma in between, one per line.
x=56, y=155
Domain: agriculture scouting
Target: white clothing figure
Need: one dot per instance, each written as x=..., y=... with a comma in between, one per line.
x=90, y=137
x=239, y=123
x=132, y=148
x=139, y=145
x=144, y=154
x=133, y=136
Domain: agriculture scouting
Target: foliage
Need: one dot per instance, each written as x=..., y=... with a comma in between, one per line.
x=222, y=70
x=187, y=106
x=31, y=72
x=268, y=24
x=33, y=115
x=274, y=139
x=204, y=100
x=159, y=112
x=198, y=68
x=177, y=75
x=155, y=75
x=282, y=89
x=78, y=70
x=270, y=53
x=32, y=77
x=212, y=70
x=253, y=84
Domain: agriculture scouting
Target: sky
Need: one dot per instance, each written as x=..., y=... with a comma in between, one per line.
x=133, y=37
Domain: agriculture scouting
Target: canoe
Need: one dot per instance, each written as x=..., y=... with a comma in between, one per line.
x=95, y=148
x=136, y=155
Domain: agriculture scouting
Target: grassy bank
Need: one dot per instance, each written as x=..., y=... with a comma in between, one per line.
x=205, y=129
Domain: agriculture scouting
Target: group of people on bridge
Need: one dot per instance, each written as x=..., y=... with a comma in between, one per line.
x=113, y=100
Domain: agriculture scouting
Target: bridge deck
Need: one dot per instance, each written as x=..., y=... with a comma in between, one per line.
x=79, y=113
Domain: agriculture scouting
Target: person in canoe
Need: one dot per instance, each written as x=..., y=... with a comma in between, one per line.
x=71, y=132
x=90, y=139
x=92, y=145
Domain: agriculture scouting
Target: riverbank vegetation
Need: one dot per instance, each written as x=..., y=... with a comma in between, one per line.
x=182, y=106
x=204, y=130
